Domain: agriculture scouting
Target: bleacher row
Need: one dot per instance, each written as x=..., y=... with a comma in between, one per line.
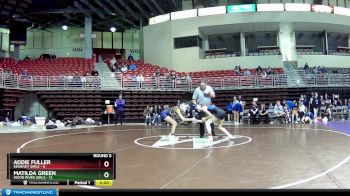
x=9, y=99
x=81, y=66
x=136, y=101
x=148, y=70
x=70, y=104
x=45, y=67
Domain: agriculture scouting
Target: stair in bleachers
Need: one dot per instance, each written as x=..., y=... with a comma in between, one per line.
x=110, y=79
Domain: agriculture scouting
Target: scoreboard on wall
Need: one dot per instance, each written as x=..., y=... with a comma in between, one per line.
x=89, y=169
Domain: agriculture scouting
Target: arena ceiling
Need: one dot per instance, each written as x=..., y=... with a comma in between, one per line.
x=123, y=14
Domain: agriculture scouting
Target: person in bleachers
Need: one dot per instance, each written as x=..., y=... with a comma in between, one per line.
x=264, y=74
x=295, y=112
x=237, y=70
x=259, y=69
x=94, y=73
x=119, y=105
x=254, y=114
x=130, y=57
x=25, y=74
x=172, y=75
x=188, y=78
x=278, y=110
x=83, y=80
x=132, y=67
x=269, y=71
x=113, y=61
x=124, y=67
x=26, y=58
x=156, y=115
x=147, y=115
x=263, y=114
x=334, y=71
x=53, y=56
x=157, y=72
x=306, y=67
x=246, y=72
x=315, y=71
x=323, y=69
x=140, y=79
x=270, y=108
x=114, y=68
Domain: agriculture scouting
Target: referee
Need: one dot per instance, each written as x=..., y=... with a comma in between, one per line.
x=202, y=95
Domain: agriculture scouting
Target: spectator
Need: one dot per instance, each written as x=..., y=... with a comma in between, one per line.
x=246, y=72
x=301, y=110
x=259, y=69
x=306, y=67
x=130, y=57
x=156, y=115
x=83, y=80
x=254, y=112
x=264, y=74
x=172, y=75
x=271, y=108
x=237, y=70
x=158, y=72
x=315, y=70
x=295, y=112
x=269, y=71
x=334, y=71
x=188, y=77
x=140, y=79
x=132, y=67
x=147, y=115
x=315, y=105
x=25, y=74
x=323, y=69
x=278, y=110
x=53, y=56
x=26, y=58
x=94, y=73
x=113, y=61
x=263, y=114
x=124, y=68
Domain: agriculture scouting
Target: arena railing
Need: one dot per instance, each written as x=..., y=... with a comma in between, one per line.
x=116, y=82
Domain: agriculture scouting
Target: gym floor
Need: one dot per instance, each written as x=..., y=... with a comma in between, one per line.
x=264, y=156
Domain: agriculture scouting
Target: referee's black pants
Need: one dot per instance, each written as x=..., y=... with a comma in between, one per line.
x=202, y=125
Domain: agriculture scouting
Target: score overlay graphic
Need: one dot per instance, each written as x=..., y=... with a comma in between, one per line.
x=60, y=168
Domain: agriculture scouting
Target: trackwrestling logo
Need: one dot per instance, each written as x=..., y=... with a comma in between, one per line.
x=29, y=192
